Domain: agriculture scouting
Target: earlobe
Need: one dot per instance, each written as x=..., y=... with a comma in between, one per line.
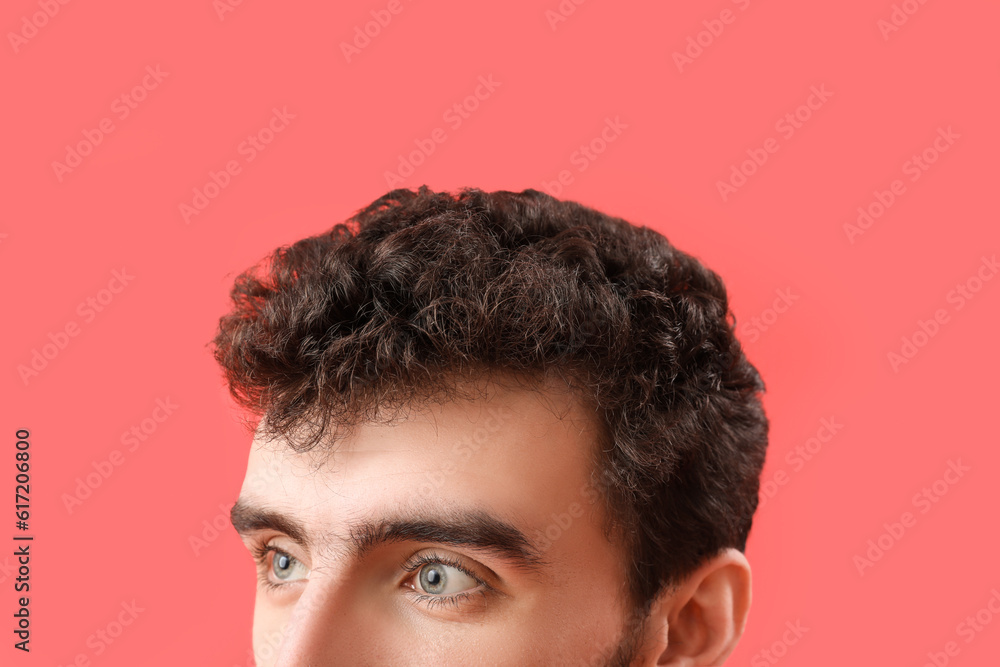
x=700, y=622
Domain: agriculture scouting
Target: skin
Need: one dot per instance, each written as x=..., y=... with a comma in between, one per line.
x=518, y=455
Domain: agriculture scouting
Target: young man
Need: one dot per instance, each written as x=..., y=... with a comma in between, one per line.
x=493, y=429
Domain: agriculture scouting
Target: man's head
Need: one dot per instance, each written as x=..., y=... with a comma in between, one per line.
x=494, y=428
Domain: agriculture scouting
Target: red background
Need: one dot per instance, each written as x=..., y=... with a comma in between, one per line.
x=684, y=126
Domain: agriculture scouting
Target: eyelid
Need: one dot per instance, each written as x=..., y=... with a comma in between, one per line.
x=260, y=544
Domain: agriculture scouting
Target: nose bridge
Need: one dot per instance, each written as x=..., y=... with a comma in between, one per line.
x=319, y=630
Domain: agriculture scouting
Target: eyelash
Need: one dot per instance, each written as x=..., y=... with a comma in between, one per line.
x=414, y=563
x=261, y=551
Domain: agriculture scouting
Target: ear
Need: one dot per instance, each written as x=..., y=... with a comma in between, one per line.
x=700, y=621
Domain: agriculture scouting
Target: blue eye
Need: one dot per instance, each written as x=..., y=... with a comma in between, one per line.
x=443, y=579
x=282, y=565
x=278, y=567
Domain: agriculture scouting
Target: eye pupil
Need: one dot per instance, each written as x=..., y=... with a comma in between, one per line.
x=282, y=562
x=432, y=578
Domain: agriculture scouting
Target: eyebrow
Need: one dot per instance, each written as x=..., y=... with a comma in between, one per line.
x=247, y=517
x=477, y=529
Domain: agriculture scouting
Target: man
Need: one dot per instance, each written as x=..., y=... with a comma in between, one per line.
x=493, y=429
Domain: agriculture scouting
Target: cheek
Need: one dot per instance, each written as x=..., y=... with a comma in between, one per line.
x=571, y=626
x=567, y=638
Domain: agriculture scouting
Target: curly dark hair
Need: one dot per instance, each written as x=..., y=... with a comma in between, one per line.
x=420, y=287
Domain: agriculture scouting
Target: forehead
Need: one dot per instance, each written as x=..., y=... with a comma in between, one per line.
x=524, y=453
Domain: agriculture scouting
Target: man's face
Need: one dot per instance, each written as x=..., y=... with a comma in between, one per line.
x=463, y=534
